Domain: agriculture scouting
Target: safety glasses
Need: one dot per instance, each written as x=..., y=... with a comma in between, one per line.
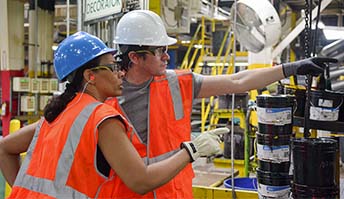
x=156, y=51
x=110, y=67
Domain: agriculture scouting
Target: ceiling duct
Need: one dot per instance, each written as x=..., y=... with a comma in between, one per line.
x=334, y=49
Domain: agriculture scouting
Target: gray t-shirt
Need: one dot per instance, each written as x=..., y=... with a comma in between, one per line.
x=135, y=103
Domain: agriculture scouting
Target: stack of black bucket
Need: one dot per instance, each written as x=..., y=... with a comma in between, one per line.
x=275, y=123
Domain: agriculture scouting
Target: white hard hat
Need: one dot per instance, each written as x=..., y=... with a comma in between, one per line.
x=143, y=28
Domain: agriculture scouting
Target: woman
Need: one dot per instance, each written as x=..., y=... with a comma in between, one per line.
x=81, y=145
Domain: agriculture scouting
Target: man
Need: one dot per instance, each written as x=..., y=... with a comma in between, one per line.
x=157, y=100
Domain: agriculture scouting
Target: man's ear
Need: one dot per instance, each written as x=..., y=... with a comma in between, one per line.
x=133, y=57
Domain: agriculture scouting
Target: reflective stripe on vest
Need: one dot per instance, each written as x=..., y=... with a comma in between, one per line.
x=57, y=188
x=173, y=83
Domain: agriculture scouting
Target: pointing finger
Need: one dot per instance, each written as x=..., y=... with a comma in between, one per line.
x=220, y=131
x=326, y=59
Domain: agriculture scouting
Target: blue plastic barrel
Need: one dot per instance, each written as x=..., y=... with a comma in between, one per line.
x=248, y=184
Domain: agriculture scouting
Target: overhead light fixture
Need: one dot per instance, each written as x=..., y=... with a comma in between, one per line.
x=333, y=32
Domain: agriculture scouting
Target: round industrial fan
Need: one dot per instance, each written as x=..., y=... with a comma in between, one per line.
x=257, y=24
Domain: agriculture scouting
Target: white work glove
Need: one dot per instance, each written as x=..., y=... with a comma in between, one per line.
x=206, y=144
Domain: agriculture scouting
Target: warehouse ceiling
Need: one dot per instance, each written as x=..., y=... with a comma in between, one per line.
x=331, y=16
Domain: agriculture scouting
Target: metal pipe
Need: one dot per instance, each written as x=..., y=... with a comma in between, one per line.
x=36, y=40
x=336, y=86
x=67, y=19
x=79, y=17
x=233, y=104
x=335, y=74
x=145, y=5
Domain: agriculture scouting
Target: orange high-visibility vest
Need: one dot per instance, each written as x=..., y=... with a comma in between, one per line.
x=170, y=106
x=61, y=159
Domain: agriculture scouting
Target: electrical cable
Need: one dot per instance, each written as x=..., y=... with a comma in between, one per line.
x=232, y=107
x=60, y=116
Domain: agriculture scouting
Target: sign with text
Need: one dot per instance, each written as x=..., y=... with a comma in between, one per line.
x=134, y=4
x=95, y=9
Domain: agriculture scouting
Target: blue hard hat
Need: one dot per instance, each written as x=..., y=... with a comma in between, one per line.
x=75, y=51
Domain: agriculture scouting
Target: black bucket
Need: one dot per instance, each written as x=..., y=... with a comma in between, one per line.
x=282, y=167
x=274, y=129
x=275, y=114
x=273, y=140
x=273, y=178
x=275, y=101
x=305, y=192
x=238, y=146
x=325, y=105
x=316, y=161
x=316, y=164
x=274, y=149
x=273, y=184
x=275, y=109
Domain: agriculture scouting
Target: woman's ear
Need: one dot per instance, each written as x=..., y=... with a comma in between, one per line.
x=89, y=76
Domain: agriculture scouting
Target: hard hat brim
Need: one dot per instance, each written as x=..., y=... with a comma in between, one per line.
x=170, y=41
x=107, y=50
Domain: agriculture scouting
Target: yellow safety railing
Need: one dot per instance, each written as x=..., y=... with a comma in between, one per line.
x=218, y=63
x=185, y=63
x=217, y=69
x=200, y=40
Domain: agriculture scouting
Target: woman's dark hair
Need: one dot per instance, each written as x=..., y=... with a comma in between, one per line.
x=124, y=58
x=59, y=103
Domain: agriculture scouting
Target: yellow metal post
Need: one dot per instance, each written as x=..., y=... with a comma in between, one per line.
x=155, y=6
x=14, y=126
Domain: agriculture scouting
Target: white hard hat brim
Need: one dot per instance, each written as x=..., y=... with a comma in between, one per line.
x=169, y=41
